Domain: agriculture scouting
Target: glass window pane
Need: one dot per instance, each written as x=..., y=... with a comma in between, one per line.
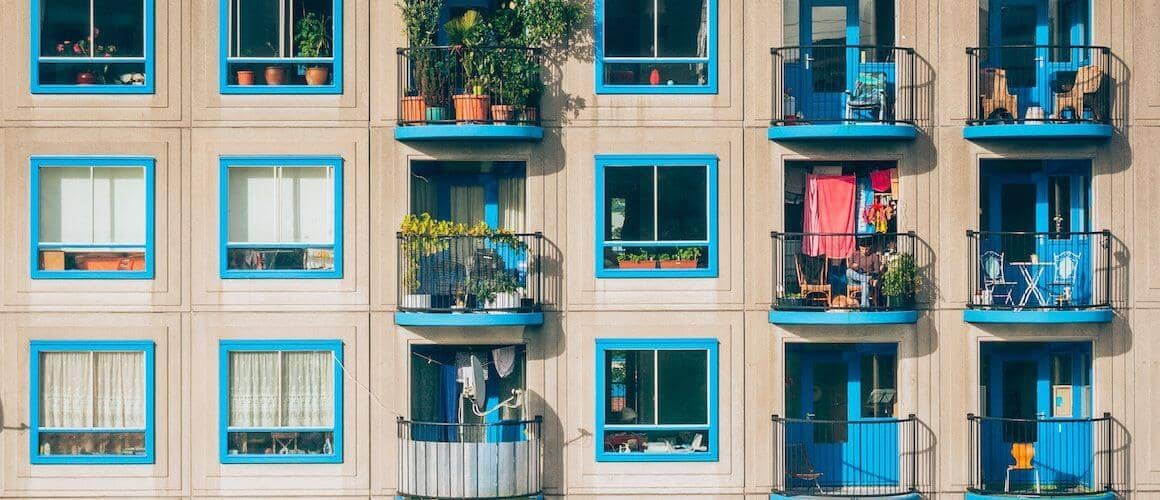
x=66, y=205
x=690, y=441
x=879, y=392
x=628, y=28
x=628, y=204
x=682, y=28
x=120, y=27
x=681, y=203
x=791, y=23
x=66, y=384
x=683, y=387
x=253, y=389
x=119, y=393
x=280, y=443
x=256, y=28
x=629, y=391
x=306, y=198
x=119, y=205
x=252, y=206
x=665, y=73
x=307, y=389
x=63, y=21
x=92, y=443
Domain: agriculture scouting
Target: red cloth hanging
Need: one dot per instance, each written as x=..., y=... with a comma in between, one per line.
x=829, y=209
x=880, y=180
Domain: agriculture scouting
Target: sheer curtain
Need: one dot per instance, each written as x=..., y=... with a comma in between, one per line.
x=253, y=389
x=120, y=390
x=424, y=196
x=308, y=382
x=92, y=205
x=274, y=389
x=281, y=204
x=511, y=204
x=66, y=390
x=467, y=204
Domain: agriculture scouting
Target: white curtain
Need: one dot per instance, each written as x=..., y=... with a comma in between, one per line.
x=511, y=204
x=281, y=204
x=308, y=382
x=467, y=204
x=703, y=31
x=120, y=390
x=66, y=390
x=92, y=204
x=272, y=389
x=253, y=389
x=424, y=196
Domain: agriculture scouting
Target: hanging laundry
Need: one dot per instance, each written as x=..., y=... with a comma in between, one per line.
x=865, y=201
x=829, y=209
x=880, y=180
x=505, y=360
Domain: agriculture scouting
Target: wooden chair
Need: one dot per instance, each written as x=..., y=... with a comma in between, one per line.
x=1087, y=81
x=994, y=94
x=1022, y=453
x=801, y=467
x=820, y=287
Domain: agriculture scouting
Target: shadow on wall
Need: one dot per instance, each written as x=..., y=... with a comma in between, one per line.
x=580, y=49
x=925, y=456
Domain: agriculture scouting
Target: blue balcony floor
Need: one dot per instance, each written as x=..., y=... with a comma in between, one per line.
x=852, y=493
x=469, y=319
x=1001, y=496
x=479, y=132
x=842, y=317
x=844, y=131
x=1020, y=131
x=1041, y=317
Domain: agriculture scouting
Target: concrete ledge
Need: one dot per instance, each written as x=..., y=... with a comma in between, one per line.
x=1037, y=131
x=904, y=496
x=999, y=496
x=468, y=133
x=1042, y=317
x=844, y=131
x=842, y=317
x=468, y=319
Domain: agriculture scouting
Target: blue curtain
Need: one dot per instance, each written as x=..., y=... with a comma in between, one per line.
x=865, y=199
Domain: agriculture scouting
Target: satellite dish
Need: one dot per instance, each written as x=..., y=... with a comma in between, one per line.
x=474, y=384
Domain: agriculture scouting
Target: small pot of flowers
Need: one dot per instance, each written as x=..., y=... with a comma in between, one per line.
x=684, y=258
x=88, y=74
x=640, y=260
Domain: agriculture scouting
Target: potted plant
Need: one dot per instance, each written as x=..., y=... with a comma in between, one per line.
x=421, y=21
x=245, y=77
x=643, y=259
x=422, y=237
x=683, y=258
x=791, y=300
x=92, y=73
x=312, y=33
x=466, y=33
x=275, y=75
x=901, y=282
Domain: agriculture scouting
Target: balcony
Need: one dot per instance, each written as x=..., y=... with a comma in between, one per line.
x=845, y=459
x=817, y=281
x=469, y=93
x=843, y=92
x=470, y=280
x=1040, y=92
x=1045, y=278
x=453, y=461
x=1040, y=457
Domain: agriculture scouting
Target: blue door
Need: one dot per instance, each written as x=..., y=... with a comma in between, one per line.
x=849, y=394
x=1041, y=53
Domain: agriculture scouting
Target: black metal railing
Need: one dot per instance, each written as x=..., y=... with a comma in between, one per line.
x=481, y=85
x=845, y=458
x=1040, y=456
x=450, y=461
x=825, y=84
x=1061, y=270
x=819, y=271
x=1029, y=84
x=470, y=273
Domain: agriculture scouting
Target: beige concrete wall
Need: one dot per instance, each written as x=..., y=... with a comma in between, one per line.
x=186, y=125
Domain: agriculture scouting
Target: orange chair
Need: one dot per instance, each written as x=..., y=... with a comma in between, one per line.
x=1022, y=453
x=994, y=94
x=1087, y=81
x=820, y=287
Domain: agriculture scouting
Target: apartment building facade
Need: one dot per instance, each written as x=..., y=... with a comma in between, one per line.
x=729, y=249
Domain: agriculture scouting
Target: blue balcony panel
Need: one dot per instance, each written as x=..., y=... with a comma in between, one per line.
x=1039, y=317
x=480, y=132
x=904, y=496
x=469, y=319
x=844, y=132
x=840, y=317
x=1023, y=131
x=1108, y=495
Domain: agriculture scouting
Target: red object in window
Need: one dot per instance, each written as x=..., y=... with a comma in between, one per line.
x=654, y=77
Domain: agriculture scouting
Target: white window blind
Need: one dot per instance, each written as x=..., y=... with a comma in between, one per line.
x=281, y=205
x=92, y=205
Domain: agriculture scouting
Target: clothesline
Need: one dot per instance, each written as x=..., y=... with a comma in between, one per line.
x=430, y=360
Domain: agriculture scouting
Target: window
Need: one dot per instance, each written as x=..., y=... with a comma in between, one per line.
x=92, y=402
x=281, y=401
x=92, y=47
x=281, y=217
x=281, y=46
x=656, y=46
x=879, y=393
x=657, y=400
x=92, y=217
x=656, y=216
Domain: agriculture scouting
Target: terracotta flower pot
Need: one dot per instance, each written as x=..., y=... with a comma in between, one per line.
x=245, y=77
x=86, y=78
x=472, y=108
x=644, y=264
x=678, y=264
x=414, y=109
x=275, y=75
x=503, y=113
x=317, y=75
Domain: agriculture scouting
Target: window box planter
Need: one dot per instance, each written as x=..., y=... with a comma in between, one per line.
x=644, y=264
x=678, y=264
x=472, y=108
x=415, y=109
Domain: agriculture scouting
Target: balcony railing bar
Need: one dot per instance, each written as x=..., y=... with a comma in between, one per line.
x=470, y=273
x=1089, y=448
x=470, y=460
x=877, y=86
x=435, y=88
x=792, y=461
x=1043, y=83
x=1073, y=273
x=792, y=266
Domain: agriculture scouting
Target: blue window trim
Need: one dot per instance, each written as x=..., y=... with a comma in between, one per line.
x=225, y=162
x=335, y=86
x=225, y=347
x=38, y=162
x=605, y=345
x=674, y=160
x=147, y=46
x=40, y=346
x=606, y=88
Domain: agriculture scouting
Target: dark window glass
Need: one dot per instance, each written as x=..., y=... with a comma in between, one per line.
x=681, y=203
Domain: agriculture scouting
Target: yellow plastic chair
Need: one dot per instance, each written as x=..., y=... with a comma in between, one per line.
x=1023, y=453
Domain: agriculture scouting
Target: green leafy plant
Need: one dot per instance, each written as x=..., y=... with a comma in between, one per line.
x=641, y=255
x=901, y=280
x=432, y=68
x=688, y=253
x=466, y=34
x=312, y=34
x=423, y=236
x=486, y=288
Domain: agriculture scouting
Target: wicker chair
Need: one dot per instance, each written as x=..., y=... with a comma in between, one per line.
x=994, y=94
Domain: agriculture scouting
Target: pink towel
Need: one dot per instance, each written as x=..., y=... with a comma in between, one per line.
x=880, y=180
x=829, y=209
